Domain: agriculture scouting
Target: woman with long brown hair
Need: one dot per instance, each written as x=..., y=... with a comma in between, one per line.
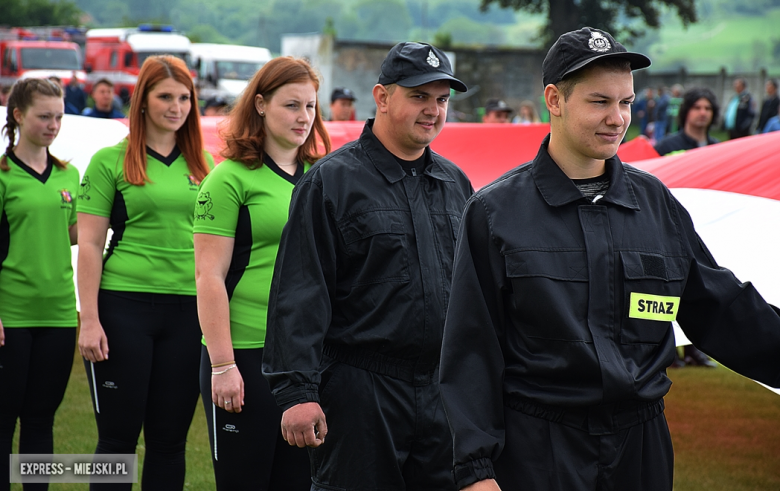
x=138, y=299
x=271, y=139
x=37, y=300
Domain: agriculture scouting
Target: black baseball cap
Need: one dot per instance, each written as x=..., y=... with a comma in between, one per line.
x=217, y=101
x=497, y=105
x=414, y=64
x=576, y=49
x=342, y=93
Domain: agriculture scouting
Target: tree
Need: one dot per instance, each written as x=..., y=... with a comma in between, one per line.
x=622, y=18
x=25, y=13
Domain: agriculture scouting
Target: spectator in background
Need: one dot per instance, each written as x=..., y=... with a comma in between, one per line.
x=661, y=108
x=773, y=124
x=5, y=91
x=122, y=99
x=673, y=109
x=216, y=106
x=741, y=111
x=58, y=82
x=496, y=111
x=770, y=106
x=342, y=104
x=527, y=114
x=645, y=111
x=75, y=96
x=698, y=111
x=103, y=95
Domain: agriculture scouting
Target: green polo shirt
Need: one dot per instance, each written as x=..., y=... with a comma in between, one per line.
x=250, y=205
x=151, y=248
x=36, y=276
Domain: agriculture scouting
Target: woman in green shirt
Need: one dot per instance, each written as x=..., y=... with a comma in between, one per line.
x=37, y=300
x=139, y=327
x=271, y=139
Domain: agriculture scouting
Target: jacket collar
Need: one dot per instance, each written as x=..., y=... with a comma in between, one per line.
x=557, y=188
x=692, y=142
x=388, y=166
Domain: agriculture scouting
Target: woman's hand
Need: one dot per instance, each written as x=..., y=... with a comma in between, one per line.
x=227, y=389
x=93, y=343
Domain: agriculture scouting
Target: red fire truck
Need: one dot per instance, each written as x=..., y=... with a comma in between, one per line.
x=118, y=53
x=38, y=52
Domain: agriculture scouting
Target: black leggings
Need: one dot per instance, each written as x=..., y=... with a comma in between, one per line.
x=35, y=365
x=150, y=379
x=250, y=452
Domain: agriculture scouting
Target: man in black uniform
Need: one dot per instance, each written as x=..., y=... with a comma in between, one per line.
x=698, y=111
x=568, y=273
x=360, y=292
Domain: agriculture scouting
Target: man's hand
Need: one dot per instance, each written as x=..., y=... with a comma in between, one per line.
x=304, y=425
x=486, y=485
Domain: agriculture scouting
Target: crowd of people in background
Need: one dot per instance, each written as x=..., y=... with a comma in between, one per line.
x=656, y=112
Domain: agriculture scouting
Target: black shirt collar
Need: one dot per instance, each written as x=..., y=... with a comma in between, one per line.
x=171, y=158
x=43, y=177
x=386, y=163
x=557, y=188
x=292, y=179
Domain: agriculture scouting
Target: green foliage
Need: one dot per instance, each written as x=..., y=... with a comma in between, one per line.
x=622, y=18
x=466, y=31
x=725, y=39
x=442, y=39
x=39, y=13
x=382, y=20
x=206, y=34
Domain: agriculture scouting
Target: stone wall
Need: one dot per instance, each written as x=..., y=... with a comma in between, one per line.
x=511, y=74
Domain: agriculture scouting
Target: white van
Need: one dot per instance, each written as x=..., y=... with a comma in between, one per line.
x=225, y=69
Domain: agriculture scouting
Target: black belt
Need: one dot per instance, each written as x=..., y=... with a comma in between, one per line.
x=603, y=419
x=417, y=373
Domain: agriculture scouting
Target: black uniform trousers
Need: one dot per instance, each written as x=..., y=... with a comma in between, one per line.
x=558, y=450
x=383, y=433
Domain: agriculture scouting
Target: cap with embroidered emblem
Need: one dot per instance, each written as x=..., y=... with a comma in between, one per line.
x=497, y=105
x=342, y=93
x=413, y=64
x=576, y=49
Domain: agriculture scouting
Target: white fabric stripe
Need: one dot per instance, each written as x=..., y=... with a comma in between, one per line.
x=214, y=424
x=94, y=388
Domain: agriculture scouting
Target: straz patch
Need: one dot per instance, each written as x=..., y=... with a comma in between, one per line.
x=653, y=307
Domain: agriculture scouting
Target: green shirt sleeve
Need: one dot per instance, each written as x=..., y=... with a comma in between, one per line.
x=98, y=187
x=220, y=196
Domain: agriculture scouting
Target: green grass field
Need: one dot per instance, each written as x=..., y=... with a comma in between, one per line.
x=725, y=430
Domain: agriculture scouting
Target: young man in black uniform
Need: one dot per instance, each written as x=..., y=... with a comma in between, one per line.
x=360, y=292
x=568, y=273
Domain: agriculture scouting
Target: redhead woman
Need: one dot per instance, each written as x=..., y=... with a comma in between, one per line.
x=271, y=140
x=37, y=298
x=139, y=326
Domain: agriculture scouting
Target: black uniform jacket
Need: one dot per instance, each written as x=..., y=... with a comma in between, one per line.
x=680, y=141
x=564, y=303
x=364, y=268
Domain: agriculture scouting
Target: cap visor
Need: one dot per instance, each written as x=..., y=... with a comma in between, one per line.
x=637, y=61
x=426, y=78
